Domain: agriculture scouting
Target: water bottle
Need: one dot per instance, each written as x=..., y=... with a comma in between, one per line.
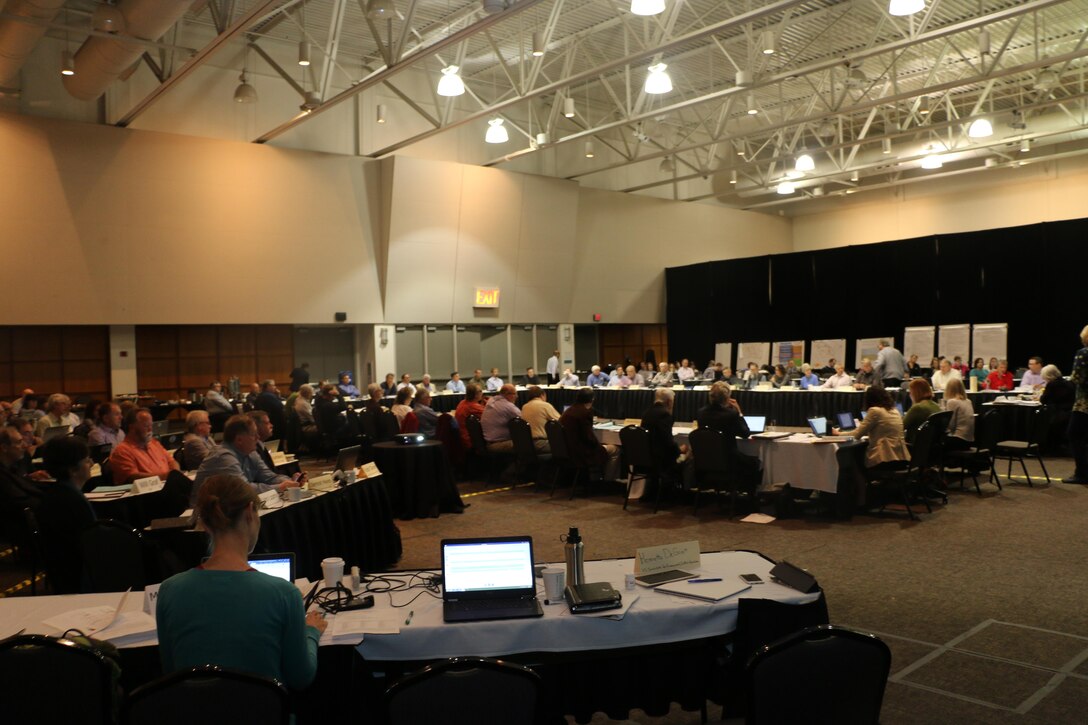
x=574, y=551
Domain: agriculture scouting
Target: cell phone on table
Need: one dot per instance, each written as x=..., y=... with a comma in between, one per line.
x=751, y=579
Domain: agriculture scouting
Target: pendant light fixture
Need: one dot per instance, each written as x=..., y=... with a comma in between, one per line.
x=667, y=165
x=303, y=53
x=496, y=132
x=658, y=81
x=804, y=163
x=767, y=42
x=244, y=93
x=752, y=109
x=980, y=128
x=67, y=63
x=733, y=176
x=381, y=113
x=379, y=9
x=589, y=149
x=931, y=161
x=647, y=7
x=107, y=18
x=886, y=145
x=785, y=188
x=450, y=84
x=568, y=107
x=906, y=7
x=538, y=44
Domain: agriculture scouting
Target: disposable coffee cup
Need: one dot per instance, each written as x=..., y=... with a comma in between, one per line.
x=555, y=581
x=333, y=570
x=294, y=494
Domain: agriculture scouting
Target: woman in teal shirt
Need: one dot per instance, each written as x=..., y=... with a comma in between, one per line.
x=225, y=613
x=979, y=372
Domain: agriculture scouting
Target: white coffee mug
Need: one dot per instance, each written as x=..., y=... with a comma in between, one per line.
x=555, y=581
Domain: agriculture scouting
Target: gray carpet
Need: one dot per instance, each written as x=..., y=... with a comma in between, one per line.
x=981, y=602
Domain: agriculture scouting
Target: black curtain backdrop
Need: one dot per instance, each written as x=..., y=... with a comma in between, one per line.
x=1030, y=277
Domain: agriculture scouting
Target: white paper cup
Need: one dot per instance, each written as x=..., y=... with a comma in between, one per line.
x=294, y=494
x=555, y=581
x=333, y=570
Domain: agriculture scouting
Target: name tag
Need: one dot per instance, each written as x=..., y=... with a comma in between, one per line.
x=151, y=484
x=369, y=470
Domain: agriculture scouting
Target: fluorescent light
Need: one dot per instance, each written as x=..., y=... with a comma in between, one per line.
x=450, y=84
x=804, y=163
x=568, y=107
x=658, y=81
x=647, y=7
x=589, y=149
x=496, y=132
x=767, y=42
x=538, y=44
x=303, y=53
x=785, y=188
x=932, y=161
x=980, y=128
x=67, y=63
x=906, y=7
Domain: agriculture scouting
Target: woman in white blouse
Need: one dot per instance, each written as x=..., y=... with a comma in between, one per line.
x=961, y=429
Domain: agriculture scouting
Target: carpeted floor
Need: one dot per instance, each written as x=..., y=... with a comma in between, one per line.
x=982, y=602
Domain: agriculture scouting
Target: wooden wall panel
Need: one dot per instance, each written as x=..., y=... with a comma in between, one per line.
x=242, y=366
x=152, y=374
x=276, y=340
x=85, y=343
x=5, y=344
x=35, y=343
x=7, y=385
x=276, y=367
x=197, y=341
x=611, y=335
x=237, y=340
x=197, y=372
x=156, y=341
x=43, y=377
x=619, y=342
x=86, y=377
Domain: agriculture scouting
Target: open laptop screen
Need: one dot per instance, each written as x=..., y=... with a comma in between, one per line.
x=281, y=566
x=487, y=565
x=756, y=423
x=845, y=421
x=818, y=425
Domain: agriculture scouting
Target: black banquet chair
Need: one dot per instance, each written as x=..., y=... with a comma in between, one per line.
x=48, y=680
x=1038, y=427
x=714, y=466
x=824, y=674
x=639, y=460
x=465, y=691
x=113, y=557
x=209, y=695
x=528, y=459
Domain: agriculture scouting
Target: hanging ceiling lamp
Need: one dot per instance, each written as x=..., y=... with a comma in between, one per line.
x=496, y=132
x=378, y=9
x=107, y=18
x=568, y=107
x=589, y=149
x=804, y=163
x=245, y=93
x=450, y=84
x=647, y=7
x=980, y=128
x=786, y=188
x=658, y=81
x=906, y=7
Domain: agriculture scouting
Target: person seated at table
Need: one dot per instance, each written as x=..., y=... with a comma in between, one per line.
x=107, y=431
x=425, y=414
x=264, y=433
x=389, y=387
x=663, y=376
x=923, y=406
x=634, y=376
x=935, y=365
x=887, y=448
x=304, y=411
x=251, y=397
x=914, y=370
x=752, y=377
x=494, y=383
x=828, y=369
x=215, y=401
x=140, y=455
x=841, y=379
x=31, y=444
x=225, y=613
x=809, y=379
x=237, y=456
x=64, y=511
x=729, y=377
x=270, y=402
x=87, y=421
x=495, y=420
x=568, y=379
x=58, y=412
x=979, y=373
x=723, y=413
x=866, y=375
x=347, y=386
x=944, y=373
x=455, y=384
x=708, y=374
x=402, y=405
x=1033, y=378
x=530, y=377
x=1058, y=392
x=1000, y=379
x=405, y=382
x=479, y=379
x=471, y=405
x=619, y=378
x=17, y=491
x=582, y=443
x=537, y=411
x=779, y=377
x=957, y=364
x=685, y=371
x=596, y=378
x=198, y=441
x=667, y=455
x=961, y=429
x=993, y=365
x=426, y=384
x=375, y=395
x=17, y=404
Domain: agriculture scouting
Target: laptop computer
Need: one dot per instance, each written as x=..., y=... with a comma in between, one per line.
x=898, y=406
x=488, y=578
x=845, y=421
x=280, y=565
x=55, y=431
x=160, y=427
x=818, y=425
x=348, y=458
x=757, y=426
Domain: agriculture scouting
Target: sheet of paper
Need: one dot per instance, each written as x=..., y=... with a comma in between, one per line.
x=757, y=519
x=88, y=620
x=629, y=599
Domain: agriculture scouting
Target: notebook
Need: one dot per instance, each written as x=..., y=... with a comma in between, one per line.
x=488, y=578
x=707, y=591
x=280, y=565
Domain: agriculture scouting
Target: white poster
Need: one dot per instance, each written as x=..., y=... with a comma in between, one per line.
x=989, y=341
x=793, y=350
x=867, y=347
x=757, y=352
x=824, y=351
x=723, y=353
x=953, y=340
x=920, y=341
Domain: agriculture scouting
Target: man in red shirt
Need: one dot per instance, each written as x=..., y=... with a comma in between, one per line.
x=140, y=455
x=471, y=405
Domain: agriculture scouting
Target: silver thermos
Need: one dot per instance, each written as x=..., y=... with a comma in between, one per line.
x=574, y=551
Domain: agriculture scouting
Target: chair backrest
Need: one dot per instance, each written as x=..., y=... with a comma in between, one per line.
x=709, y=450
x=209, y=695
x=925, y=442
x=445, y=432
x=1039, y=425
x=940, y=421
x=988, y=430
x=179, y=456
x=636, y=446
x=476, y=435
x=113, y=556
x=522, y=436
x=410, y=424
x=34, y=672
x=834, y=675
x=387, y=426
x=557, y=440
x=465, y=691
x=101, y=453
x=762, y=621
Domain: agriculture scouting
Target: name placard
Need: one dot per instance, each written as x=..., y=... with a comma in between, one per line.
x=369, y=470
x=151, y=598
x=279, y=458
x=653, y=559
x=270, y=499
x=151, y=484
x=632, y=421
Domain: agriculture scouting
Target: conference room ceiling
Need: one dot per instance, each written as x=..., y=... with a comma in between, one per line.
x=868, y=95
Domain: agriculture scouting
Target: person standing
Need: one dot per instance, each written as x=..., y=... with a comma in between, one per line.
x=890, y=366
x=1078, y=419
x=300, y=376
x=552, y=368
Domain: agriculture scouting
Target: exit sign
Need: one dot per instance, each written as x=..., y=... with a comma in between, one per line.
x=486, y=297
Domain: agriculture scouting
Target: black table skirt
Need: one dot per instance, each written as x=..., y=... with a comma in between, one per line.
x=419, y=479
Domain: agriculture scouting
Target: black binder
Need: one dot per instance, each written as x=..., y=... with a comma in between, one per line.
x=592, y=597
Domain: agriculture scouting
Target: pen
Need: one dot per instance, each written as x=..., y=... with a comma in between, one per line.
x=409, y=619
x=703, y=581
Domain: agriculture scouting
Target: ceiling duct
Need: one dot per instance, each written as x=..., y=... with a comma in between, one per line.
x=18, y=38
x=100, y=61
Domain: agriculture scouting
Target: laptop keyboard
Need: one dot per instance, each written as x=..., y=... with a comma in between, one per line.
x=491, y=605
